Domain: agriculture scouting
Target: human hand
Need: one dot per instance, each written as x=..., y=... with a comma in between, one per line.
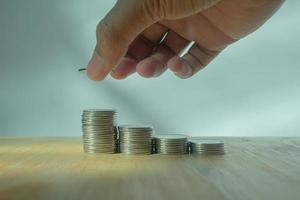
x=129, y=38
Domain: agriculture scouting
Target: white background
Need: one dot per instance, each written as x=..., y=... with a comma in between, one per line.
x=251, y=89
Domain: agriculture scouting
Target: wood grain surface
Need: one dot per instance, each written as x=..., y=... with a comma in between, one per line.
x=57, y=168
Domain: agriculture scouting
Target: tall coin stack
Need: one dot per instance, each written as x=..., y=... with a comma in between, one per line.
x=207, y=147
x=98, y=127
x=171, y=144
x=135, y=139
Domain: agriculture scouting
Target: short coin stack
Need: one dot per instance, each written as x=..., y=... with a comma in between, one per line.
x=171, y=144
x=98, y=127
x=135, y=139
x=207, y=147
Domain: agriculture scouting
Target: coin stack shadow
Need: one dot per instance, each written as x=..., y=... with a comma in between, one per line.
x=171, y=144
x=135, y=139
x=207, y=147
x=99, y=134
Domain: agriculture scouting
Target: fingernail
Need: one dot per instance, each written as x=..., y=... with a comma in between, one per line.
x=96, y=68
x=114, y=73
x=186, y=72
x=189, y=71
x=157, y=72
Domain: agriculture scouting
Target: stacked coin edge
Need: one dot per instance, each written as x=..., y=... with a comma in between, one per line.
x=99, y=133
x=135, y=139
x=171, y=144
x=207, y=147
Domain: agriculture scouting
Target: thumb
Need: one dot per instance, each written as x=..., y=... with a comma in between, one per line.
x=114, y=34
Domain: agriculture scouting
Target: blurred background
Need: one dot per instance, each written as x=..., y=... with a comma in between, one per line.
x=251, y=89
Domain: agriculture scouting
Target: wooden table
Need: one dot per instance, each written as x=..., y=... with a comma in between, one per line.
x=56, y=168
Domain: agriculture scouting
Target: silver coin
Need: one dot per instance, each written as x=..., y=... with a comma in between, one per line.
x=207, y=142
x=171, y=144
x=171, y=137
x=99, y=130
x=133, y=126
x=135, y=139
x=207, y=147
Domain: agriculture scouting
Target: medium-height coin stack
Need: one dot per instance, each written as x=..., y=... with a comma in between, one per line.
x=171, y=144
x=135, y=139
x=99, y=134
x=207, y=147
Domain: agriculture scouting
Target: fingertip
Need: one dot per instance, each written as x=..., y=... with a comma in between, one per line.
x=117, y=75
x=174, y=64
x=149, y=67
x=96, y=69
x=180, y=67
x=124, y=69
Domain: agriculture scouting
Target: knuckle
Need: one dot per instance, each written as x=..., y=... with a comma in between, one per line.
x=107, y=36
x=104, y=32
x=157, y=9
x=203, y=4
